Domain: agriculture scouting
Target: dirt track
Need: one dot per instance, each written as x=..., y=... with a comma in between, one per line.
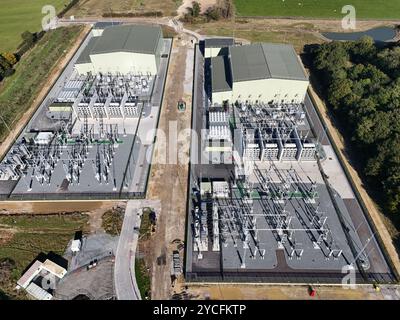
x=168, y=182
x=15, y=207
x=275, y=292
x=320, y=25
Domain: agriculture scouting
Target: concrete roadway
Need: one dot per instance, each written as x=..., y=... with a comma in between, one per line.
x=124, y=273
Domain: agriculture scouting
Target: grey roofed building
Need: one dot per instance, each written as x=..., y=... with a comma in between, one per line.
x=104, y=24
x=248, y=63
x=128, y=38
x=264, y=61
x=85, y=55
x=218, y=42
x=220, y=74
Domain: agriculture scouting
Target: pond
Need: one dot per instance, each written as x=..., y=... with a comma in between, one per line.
x=382, y=34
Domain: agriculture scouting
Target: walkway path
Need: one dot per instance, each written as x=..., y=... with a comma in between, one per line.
x=124, y=273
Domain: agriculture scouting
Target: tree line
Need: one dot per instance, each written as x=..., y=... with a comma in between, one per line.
x=9, y=59
x=222, y=9
x=362, y=86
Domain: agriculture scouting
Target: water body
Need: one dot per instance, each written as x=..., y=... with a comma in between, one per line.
x=382, y=34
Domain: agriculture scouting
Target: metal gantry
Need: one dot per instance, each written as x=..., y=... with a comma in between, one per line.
x=244, y=218
x=31, y=160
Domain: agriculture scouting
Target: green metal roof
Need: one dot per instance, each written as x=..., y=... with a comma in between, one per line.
x=283, y=62
x=128, y=38
x=104, y=24
x=85, y=55
x=264, y=61
x=248, y=63
x=220, y=74
x=218, y=42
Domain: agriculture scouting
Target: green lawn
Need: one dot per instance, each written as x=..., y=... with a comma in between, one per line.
x=18, y=91
x=65, y=223
x=142, y=278
x=372, y=9
x=33, y=235
x=38, y=233
x=297, y=38
x=24, y=247
x=145, y=224
x=17, y=16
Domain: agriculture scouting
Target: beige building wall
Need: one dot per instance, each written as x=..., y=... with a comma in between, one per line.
x=124, y=62
x=267, y=90
x=211, y=52
x=84, y=68
x=220, y=97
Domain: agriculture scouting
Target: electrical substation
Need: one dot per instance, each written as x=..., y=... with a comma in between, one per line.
x=268, y=199
x=86, y=138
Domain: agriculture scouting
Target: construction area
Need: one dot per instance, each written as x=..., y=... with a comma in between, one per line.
x=92, y=136
x=170, y=229
x=268, y=199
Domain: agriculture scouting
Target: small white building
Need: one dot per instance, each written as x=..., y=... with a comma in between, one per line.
x=38, y=293
x=76, y=245
x=36, y=270
x=29, y=275
x=44, y=138
x=54, y=269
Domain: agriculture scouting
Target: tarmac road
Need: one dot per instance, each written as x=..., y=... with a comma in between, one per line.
x=124, y=272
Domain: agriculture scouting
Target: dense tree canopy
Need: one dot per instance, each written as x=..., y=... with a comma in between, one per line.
x=6, y=68
x=362, y=85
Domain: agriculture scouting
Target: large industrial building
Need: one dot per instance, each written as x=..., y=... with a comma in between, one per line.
x=264, y=72
x=269, y=201
x=122, y=49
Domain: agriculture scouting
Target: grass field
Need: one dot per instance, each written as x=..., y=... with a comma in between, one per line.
x=297, y=39
x=371, y=9
x=99, y=7
x=142, y=278
x=255, y=33
x=24, y=237
x=17, y=16
x=18, y=91
x=145, y=224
